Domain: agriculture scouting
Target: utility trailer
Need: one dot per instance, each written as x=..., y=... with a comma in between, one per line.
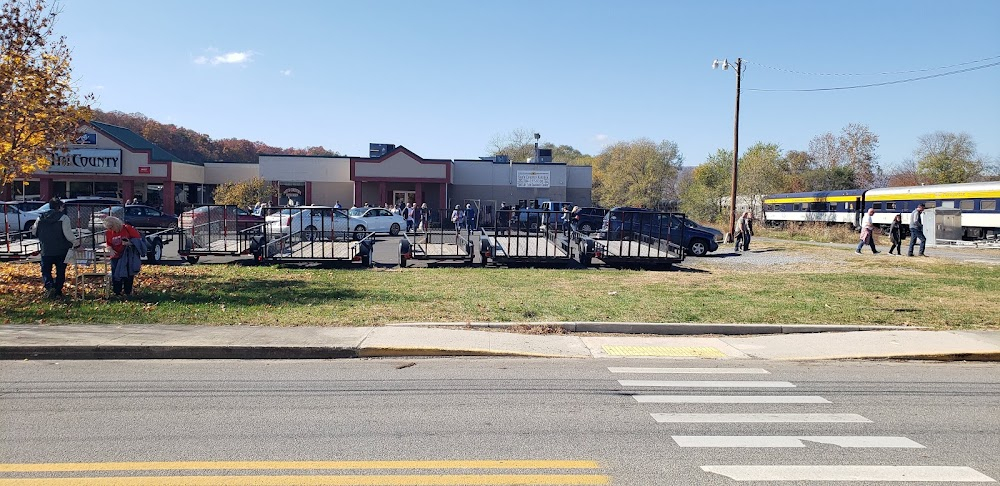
x=16, y=246
x=442, y=239
x=635, y=239
x=311, y=234
x=513, y=240
x=216, y=230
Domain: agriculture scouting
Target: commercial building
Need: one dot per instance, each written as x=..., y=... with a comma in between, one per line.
x=114, y=161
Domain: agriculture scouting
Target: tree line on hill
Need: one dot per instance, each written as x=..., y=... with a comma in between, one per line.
x=191, y=146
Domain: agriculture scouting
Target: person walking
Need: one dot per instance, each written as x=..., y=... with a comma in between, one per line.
x=896, y=235
x=917, y=230
x=408, y=214
x=470, y=217
x=55, y=237
x=744, y=230
x=124, y=242
x=425, y=217
x=867, y=236
x=457, y=217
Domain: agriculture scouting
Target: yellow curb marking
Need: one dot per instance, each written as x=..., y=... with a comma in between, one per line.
x=665, y=351
x=416, y=480
x=273, y=465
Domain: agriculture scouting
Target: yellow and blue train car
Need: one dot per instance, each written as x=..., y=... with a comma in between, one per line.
x=978, y=201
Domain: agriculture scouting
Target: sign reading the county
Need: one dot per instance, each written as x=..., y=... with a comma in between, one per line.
x=89, y=161
x=533, y=178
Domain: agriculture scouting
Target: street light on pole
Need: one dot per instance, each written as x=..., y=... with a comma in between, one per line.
x=736, y=138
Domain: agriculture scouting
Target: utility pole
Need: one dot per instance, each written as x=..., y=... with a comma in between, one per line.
x=736, y=150
x=736, y=142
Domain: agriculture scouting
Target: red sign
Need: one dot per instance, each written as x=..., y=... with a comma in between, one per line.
x=144, y=170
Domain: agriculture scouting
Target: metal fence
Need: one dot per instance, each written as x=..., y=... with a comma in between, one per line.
x=446, y=235
x=527, y=237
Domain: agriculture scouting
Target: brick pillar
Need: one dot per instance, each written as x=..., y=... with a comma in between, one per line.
x=381, y=193
x=45, y=188
x=128, y=189
x=357, y=193
x=419, y=189
x=168, y=197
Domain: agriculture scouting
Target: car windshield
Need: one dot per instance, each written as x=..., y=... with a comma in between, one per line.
x=358, y=212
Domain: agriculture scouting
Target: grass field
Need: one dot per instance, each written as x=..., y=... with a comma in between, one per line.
x=833, y=287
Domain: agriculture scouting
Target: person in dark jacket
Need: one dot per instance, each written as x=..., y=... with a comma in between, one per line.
x=896, y=235
x=55, y=237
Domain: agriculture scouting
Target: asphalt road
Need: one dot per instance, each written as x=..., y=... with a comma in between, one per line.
x=923, y=421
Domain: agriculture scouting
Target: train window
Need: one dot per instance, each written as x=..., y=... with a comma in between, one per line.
x=849, y=206
x=890, y=205
x=967, y=205
x=877, y=206
x=817, y=206
x=833, y=206
x=947, y=204
x=930, y=204
x=990, y=205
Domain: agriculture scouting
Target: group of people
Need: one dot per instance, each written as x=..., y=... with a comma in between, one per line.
x=417, y=217
x=54, y=230
x=743, y=231
x=464, y=218
x=916, y=225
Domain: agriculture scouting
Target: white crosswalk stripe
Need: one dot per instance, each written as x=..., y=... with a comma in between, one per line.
x=850, y=473
x=730, y=371
x=774, y=473
x=729, y=399
x=847, y=441
x=708, y=384
x=759, y=418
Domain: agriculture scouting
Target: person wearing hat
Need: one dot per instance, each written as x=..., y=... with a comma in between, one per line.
x=917, y=230
x=470, y=217
x=55, y=237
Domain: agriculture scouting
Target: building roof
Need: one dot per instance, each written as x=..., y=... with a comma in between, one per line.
x=135, y=141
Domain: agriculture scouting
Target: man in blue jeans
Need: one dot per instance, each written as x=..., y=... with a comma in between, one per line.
x=917, y=230
x=55, y=237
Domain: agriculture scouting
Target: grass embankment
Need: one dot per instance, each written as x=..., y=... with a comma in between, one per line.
x=843, y=290
x=820, y=232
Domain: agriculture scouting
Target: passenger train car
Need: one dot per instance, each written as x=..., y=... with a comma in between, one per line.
x=978, y=202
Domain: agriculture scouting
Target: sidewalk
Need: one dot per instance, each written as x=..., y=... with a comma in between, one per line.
x=719, y=341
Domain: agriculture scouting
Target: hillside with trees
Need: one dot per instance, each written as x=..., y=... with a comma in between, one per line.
x=192, y=146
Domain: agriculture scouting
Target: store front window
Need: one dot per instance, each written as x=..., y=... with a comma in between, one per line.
x=291, y=193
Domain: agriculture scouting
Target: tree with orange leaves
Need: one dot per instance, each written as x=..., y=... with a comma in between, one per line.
x=39, y=109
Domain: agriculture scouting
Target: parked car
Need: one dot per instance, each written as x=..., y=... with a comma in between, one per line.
x=217, y=218
x=310, y=222
x=29, y=205
x=16, y=220
x=626, y=223
x=552, y=213
x=708, y=229
x=81, y=209
x=589, y=219
x=376, y=220
x=138, y=216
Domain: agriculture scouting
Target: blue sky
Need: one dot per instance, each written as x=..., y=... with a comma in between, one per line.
x=444, y=77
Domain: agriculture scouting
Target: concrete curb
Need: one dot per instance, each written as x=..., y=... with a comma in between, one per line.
x=173, y=352
x=665, y=329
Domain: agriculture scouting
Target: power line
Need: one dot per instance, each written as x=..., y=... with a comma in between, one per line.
x=881, y=84
x=873, y=74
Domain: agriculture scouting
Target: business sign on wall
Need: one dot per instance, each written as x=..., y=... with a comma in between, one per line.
x=533, y=178
x=86, y=161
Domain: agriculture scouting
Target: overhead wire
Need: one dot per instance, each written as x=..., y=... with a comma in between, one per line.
x=870, y=85
x=886, y=73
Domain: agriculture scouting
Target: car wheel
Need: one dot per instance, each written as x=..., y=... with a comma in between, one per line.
x=586, y=228
x=310, y=233
x=155, y=251
x=193, y=259
x=699, y=247
x=359, y=232
x=28, y=226
x=394, y=229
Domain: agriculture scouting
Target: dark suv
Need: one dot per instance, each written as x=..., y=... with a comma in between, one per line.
x=589, y=219
x=623, y=223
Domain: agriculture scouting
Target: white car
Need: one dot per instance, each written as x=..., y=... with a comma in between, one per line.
x=15, y=220
x=376, y=220
x=311, y=222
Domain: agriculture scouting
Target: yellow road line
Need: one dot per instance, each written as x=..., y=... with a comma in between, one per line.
x=666, y=351
x=273, y=465
x=418, y=480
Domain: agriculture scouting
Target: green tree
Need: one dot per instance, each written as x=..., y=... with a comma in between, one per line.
x=853, y=151
x=40, y=108
x=760, y=173
x=946, y=157
x=243, y=194
x=636, y=173
x=705, y=194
